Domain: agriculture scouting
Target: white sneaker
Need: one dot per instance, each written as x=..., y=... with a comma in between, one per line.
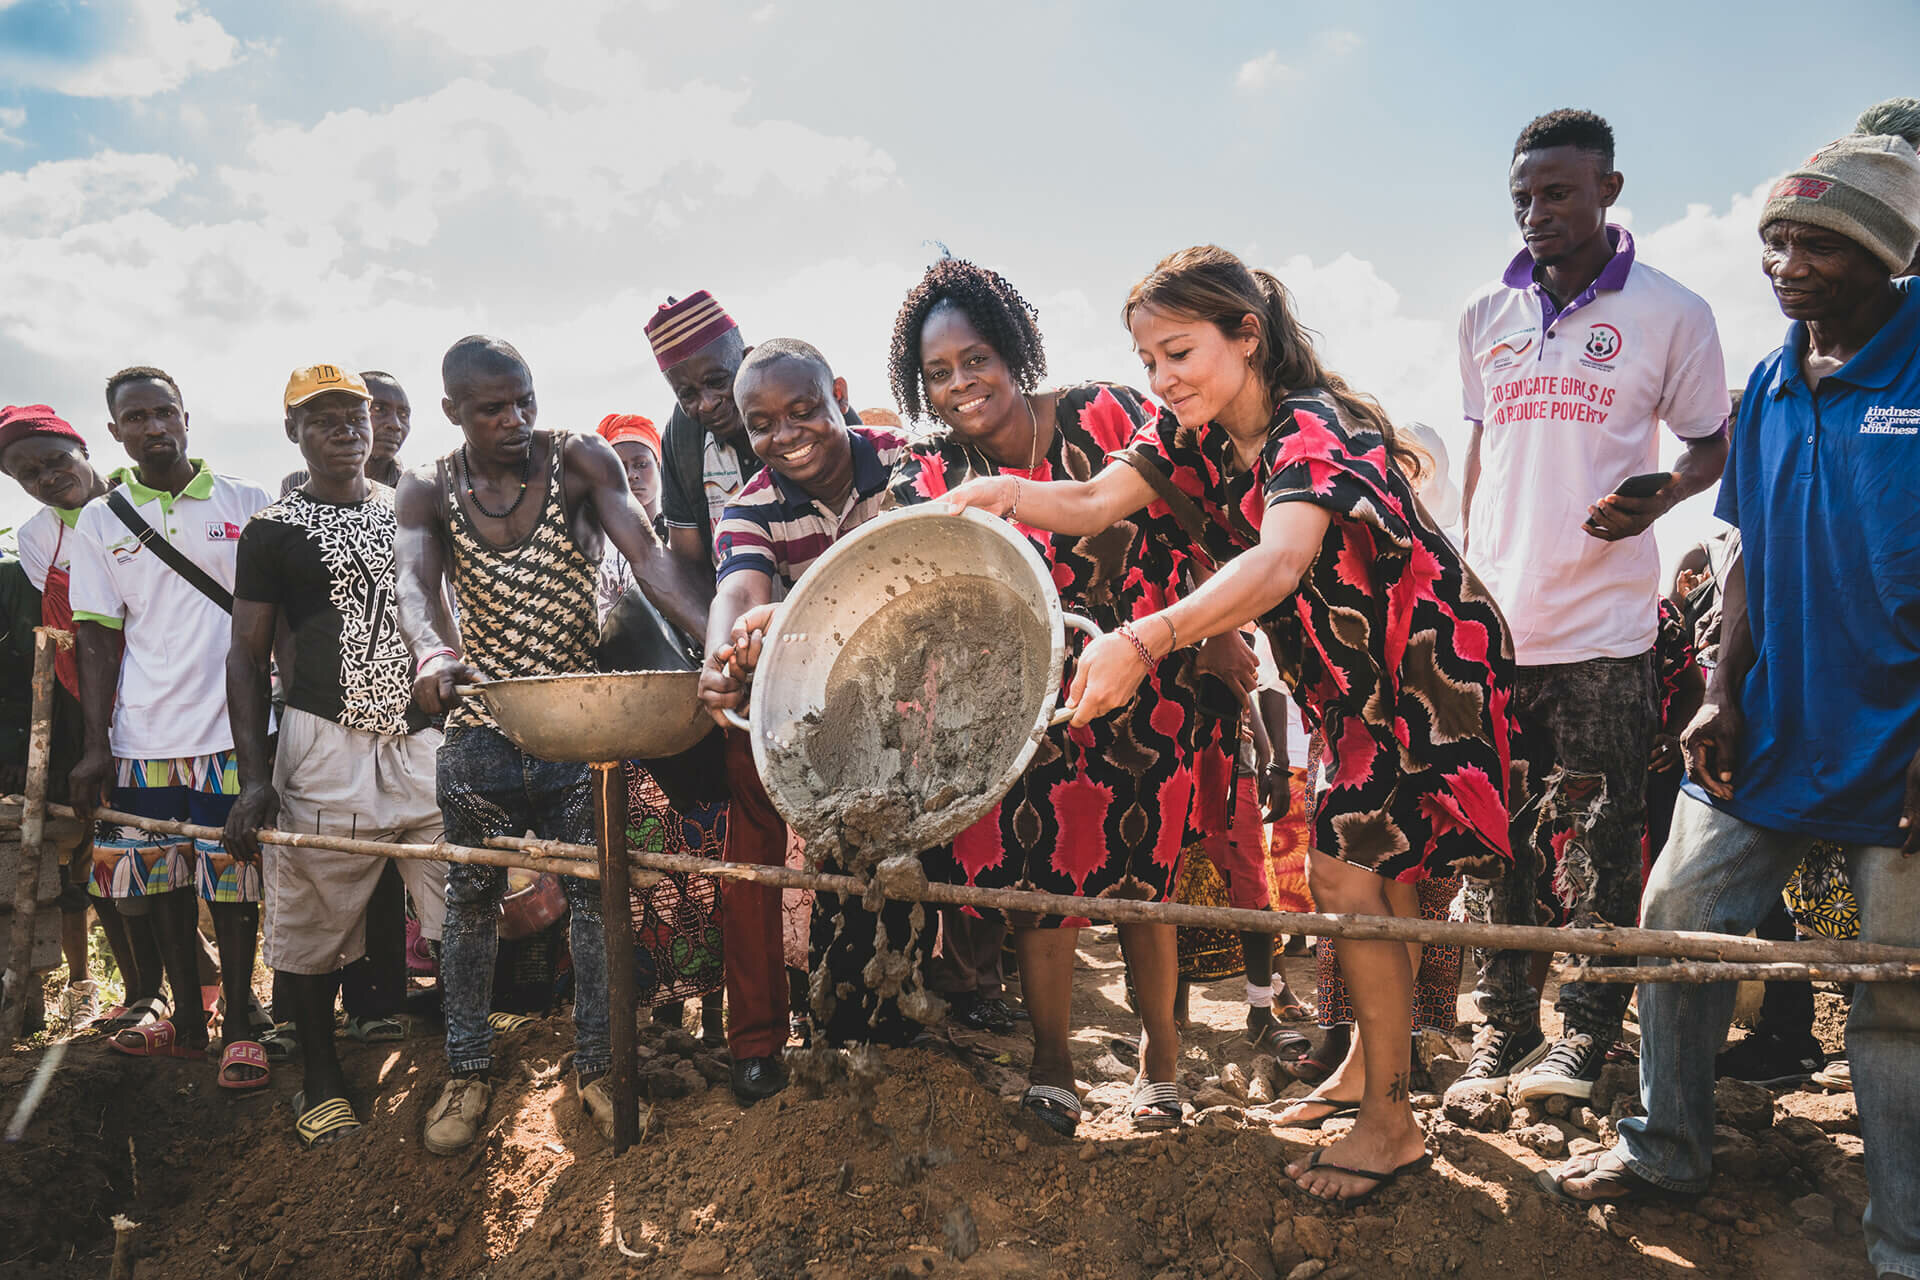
x=80, y=1003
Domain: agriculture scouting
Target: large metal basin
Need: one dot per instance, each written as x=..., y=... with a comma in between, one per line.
x=823, y=711
x=588, y=718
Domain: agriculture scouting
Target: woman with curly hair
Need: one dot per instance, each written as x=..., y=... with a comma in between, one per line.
x=1102, y=810
x=1393, y=650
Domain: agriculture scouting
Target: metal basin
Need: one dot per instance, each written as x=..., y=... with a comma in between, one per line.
x=963, y=606
x=592, y=717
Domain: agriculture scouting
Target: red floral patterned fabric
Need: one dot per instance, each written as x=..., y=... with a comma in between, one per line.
x=1395, y=651
x=1102, y=810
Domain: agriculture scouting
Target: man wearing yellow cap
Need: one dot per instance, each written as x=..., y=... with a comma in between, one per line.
x=356, y=757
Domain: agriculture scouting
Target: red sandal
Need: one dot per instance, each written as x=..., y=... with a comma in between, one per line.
x=240, y=1054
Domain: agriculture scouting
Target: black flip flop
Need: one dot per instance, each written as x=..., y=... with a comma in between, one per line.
x=1342, y=1109
x=1379, y=1180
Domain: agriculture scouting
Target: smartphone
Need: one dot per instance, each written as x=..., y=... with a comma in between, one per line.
x=1643, y=486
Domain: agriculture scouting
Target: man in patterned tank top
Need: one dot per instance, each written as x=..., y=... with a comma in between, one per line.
x=514, y=521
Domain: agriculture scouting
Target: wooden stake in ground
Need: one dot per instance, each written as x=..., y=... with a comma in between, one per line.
x=616, y=914
x=33, y=829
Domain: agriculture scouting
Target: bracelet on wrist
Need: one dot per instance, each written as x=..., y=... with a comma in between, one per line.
x=1013, y=508
x=437, y=653
x=1139, y=645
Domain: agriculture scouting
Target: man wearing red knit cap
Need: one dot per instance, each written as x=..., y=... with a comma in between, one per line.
x=705, y=458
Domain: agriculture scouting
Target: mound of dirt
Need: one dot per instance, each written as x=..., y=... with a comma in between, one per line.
x=933, y=1172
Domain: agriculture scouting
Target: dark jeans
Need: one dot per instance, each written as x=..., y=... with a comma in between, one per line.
x=1599, y=717
x=489, y=787
x=1787, y=1008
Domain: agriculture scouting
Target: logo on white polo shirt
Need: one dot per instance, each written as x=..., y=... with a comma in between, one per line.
x=222, y=531
x=1888, y=420
x=1603, y=344
x=1506, y=353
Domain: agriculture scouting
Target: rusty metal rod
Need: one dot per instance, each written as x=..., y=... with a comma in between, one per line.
x=558, y=856
x=441, y=852
x=1707, y=971
x=1596, y=942
x=616, y=915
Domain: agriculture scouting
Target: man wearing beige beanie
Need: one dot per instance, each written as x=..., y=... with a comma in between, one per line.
x=1811, y=720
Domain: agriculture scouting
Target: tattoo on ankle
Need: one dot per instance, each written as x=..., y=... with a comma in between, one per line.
x=1401, y=1088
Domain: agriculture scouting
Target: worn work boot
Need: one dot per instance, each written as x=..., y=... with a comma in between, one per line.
x=454, y=1121
x=597, y=1102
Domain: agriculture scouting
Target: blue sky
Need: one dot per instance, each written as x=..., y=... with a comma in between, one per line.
x=231, y=189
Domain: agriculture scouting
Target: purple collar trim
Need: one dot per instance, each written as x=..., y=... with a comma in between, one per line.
x=1519, y=273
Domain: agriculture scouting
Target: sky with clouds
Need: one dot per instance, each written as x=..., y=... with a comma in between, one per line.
x=231, y=189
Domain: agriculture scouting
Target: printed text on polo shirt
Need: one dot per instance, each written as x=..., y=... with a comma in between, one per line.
x=1548, y=398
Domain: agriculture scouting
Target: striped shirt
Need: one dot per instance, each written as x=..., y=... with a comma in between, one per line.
x=775, y=527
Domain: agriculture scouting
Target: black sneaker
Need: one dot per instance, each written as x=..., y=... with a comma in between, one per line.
x=1497, y=1055
x=1569, y=1069
x=970, y=1011
x=1002, y=1014
x=1774, y=1061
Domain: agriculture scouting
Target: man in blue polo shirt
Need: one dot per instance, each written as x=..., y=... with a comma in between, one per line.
x=1812, y=719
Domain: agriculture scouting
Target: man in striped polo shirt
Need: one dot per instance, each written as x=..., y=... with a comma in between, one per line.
x=822, y=480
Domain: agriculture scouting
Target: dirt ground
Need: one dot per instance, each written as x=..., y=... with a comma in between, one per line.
x=941, y=1178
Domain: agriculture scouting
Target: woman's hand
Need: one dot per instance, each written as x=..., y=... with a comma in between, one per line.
x=994, y=495
x=1230, y=656
x=1107, y=676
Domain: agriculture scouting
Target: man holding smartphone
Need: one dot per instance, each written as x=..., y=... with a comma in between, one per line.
x=1570, y=362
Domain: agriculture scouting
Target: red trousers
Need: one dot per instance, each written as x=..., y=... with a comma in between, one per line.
x=750, y=914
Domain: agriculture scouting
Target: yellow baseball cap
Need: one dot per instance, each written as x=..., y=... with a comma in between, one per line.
x=318, y=379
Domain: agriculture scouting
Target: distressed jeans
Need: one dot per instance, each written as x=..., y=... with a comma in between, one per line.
x=1722, y=875
x=1599, y=717
x=489, y=787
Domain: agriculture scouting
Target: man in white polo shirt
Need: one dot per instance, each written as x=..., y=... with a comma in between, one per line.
x=1569, y=364
x=157, y=565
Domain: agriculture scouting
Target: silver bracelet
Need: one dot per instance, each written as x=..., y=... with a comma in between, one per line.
x=1013, y=509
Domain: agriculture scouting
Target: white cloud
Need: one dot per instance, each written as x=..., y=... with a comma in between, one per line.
x=389, y=178
x=60, y=193
x=1257, y=75
x=152, y=46
x=11, y=118
x=1340, y=43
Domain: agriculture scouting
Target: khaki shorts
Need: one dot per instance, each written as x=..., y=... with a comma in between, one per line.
x=345, y=782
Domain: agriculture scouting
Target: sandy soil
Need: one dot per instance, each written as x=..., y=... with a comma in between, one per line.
x=941, y=1178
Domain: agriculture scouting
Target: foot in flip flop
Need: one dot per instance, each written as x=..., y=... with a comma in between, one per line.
x=1314, y=1110
x=501, y=1021
x=155, y=1040
x=375, y=1030
x=323, y=1122
x=1601, y=1178
x=1353, y=1170
x=1364, y=1184
x=243, y=1066
x=1057, y=1108
x=1155, y=1106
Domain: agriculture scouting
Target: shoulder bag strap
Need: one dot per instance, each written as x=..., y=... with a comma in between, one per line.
x=169, y=554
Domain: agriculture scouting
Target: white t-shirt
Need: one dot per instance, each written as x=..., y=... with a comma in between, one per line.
x=172, y=699
x=46, y=543
x=1570, y=404
x=721, y=479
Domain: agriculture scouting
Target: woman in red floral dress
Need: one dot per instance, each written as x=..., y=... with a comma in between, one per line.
x=1102, y=810
x=1393, y=649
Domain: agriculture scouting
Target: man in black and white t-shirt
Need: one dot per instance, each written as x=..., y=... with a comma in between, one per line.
x=355, y=756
